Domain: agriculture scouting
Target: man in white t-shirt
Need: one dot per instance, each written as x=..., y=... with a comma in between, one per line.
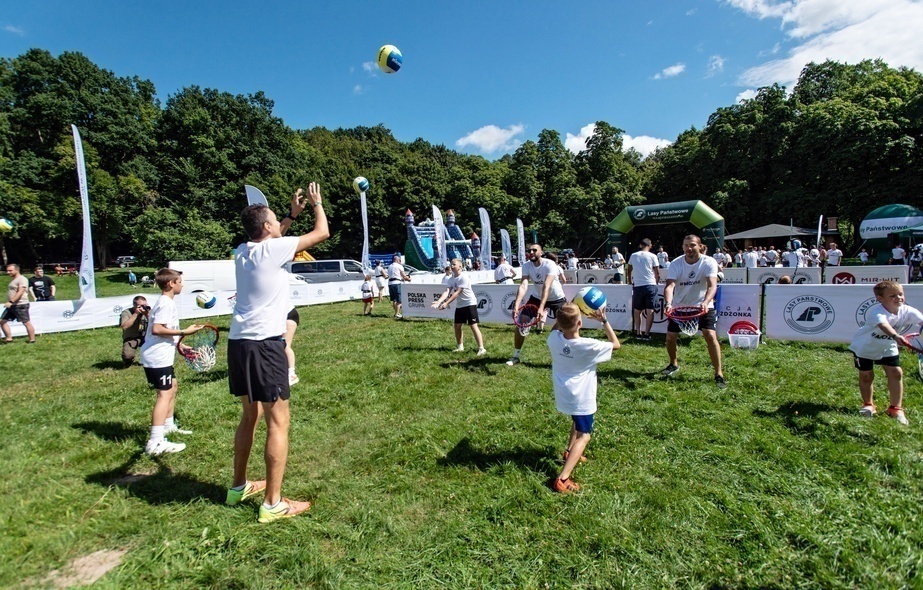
x=643, y=274
x=504, y=273
x=751, y=258
x=545, y=292
x=257, y=364
x=692, y=281
x=771, y=256
x=662, y=257
x=834, y=255
x=466, y=311
x=618, y=265
x=719, y=258
x=897, y=255
x=572, y=261
x=381, y=280
x=396, y=276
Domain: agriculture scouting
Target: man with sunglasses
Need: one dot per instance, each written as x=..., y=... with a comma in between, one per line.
x=545, y=293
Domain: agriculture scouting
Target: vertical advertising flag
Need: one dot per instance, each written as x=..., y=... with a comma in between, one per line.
x=87, y=276
x=366, y=262
x=506, y=246
x=486, y=255
x=521, y=236
x=439, y=239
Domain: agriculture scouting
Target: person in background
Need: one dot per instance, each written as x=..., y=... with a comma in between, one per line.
x=503, y=274
x=16, y=307
x=41, y=287
x=133, y=322
x=132, y=279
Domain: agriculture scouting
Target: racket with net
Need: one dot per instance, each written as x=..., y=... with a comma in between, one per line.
x=199, y=348
x=915, y=344
x=686, y=317
x=526, y=317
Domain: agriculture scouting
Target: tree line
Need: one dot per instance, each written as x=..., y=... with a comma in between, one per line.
x=166, y=180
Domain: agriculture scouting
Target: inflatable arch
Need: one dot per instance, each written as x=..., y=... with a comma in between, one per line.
x=695, y=212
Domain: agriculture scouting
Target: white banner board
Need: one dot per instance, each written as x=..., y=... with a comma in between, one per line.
x=734, y=276
x=866, y=275
x=597, y=277
x=766, y=275
x=734, y=303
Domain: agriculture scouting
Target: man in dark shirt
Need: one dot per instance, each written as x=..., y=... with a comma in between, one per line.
x=133, y=324
x=41, y=287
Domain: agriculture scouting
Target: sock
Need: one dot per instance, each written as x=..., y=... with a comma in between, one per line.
x=268, y=507
x=169, y=424
x=516, y=351
x=156, y=433
x=291, y=370
x=240, y=488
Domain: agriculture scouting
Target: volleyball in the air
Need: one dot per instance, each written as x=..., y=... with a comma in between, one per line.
x=361, y=184
x=5, y=224
x=390, y=59
x=589, y=299
x=205, y=300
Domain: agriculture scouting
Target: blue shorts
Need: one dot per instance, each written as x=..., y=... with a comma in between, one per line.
x=394, y=292
x=642, y=297
x=583, y=423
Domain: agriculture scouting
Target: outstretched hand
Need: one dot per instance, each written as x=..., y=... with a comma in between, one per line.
x=599, y=315
x=299, y=200
x=314, y=193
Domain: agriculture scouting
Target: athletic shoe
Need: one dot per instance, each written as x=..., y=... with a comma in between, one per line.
x=897, y=413
x=481, y=352
x=398, y=316
x=670, y=370
x=251, y=488
x=175, y=429
x=868, y=411
x=646, y=337
x=162, y=446
x=293, y=379
x=284, y=509
x=720, y=382
x=514, y=360
x=564, y=486
x=459, y=348
x=567, y=454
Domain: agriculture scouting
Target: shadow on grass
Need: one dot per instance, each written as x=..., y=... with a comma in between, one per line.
x=159, y=485
x=113, y=431
x=464, y=454
x=209, y=377
x=110, y=364
x=803, y=417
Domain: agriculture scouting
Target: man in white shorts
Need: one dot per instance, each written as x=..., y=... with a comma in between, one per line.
x=546, y=292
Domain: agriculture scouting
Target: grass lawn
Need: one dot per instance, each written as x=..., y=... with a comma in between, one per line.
x=430, y=469
x=109, y=283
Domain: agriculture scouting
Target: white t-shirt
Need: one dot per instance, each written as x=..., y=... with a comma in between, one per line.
x=771, y=257
x=897, y=253
x=795, y=259
x=262, y=288
x=663, y=258
x=367, y=289
x=863, y=257
x=537, y=275
x=395, y=272
x=618, y=261
x=869, y=342
x=446, y=278
x=751, y=259
x=504, y=274
x=738, y=259
x=573, y=372
x=572, y=263
x=833, y=256
x=691, y=283
x=643, y=264
x=159, y=351
x=466, y=297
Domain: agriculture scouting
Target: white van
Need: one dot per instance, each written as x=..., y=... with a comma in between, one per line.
x=326, y=271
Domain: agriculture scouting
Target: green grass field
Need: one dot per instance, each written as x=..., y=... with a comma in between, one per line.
x=429, y=469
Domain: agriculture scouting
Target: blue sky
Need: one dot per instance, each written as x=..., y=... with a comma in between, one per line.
x=479, y=77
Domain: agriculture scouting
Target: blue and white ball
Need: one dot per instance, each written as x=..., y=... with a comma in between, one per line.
x=361, y=184
x=589, y=299
x=5, y=225
x=205, y=300
x=390, y=59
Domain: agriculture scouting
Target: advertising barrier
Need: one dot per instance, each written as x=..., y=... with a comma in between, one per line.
x=597, y=277
x=734, y=276
x=768, y=275
x=866, y=275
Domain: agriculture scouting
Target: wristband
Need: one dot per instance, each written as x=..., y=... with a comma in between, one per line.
x=289, y=216
x=315, y=203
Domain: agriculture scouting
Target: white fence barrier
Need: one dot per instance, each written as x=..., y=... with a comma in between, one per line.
x=866, y=275
x=768, y=275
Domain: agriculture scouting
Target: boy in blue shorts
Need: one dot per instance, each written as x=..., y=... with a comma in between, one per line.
x=573, y=372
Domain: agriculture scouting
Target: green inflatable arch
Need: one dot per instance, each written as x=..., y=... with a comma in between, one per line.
x=695, y=212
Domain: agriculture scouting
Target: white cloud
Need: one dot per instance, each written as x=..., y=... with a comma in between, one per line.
x=370, y=67
x=674, y=70
x=745, y=95
x=643, y=144
x=14, y=30
x=715, y=65
x=490, y=138
x=842, y=30
x=691, y=11
x=358, y=89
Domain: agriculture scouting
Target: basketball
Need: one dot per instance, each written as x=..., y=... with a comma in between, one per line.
x=5, y=224
x=390, y=59
x=205, y=300
x=361, y=184
x=589, y=299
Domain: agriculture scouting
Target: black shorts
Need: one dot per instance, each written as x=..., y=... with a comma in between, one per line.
x=16, y=313
x=552, y=305
x=709, y=321
x=293, y=316
x=258, y=369
x=868, y=364
x=466, y=315
x=642, y=297
x=160, y=378
x=394, y=292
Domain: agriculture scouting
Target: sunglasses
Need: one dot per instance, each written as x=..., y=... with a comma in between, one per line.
x=532, y=250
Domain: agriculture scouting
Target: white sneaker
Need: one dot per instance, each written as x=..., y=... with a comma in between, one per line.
x=293, y=379
x=868, y=411
x=162, y=446
x=481, y=352
x=176, y=429
x=398, y=316
x=514, y=360
x=459, y=348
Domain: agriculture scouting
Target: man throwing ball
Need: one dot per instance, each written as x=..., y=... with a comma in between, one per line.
x=693, y=281
x=546, y=291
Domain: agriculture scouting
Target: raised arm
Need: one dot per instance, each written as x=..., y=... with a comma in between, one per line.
x=320, y=232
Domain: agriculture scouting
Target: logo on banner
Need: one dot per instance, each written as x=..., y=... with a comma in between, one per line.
x=739, y=311
x=659, y=308
x=117, y=309
x=591, y=279
x=809, y=314
x=294, y=294
x=485, y=303
x=844, y=278
x=67, y=314
x=320, y=292
x=610, y=279
x=416, y=300
x=507, y=303
x=640, y=214
x=862, y=309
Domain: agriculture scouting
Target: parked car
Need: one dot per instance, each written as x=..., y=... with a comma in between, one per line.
x=124, y=261
x=327, y=271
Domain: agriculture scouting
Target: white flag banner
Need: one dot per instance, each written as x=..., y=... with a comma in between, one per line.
x=255, y=196
x=87, y=275
x=506, y=246
x=366, y=262
x=521, y=236
x=486, y=254
x=439, y=244
x=866, y=275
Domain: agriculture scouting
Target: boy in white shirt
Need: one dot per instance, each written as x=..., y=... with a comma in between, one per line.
x=876, y=343
x=573, y=373
x=157, y=355
x=368, y=292
x=466, y=312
